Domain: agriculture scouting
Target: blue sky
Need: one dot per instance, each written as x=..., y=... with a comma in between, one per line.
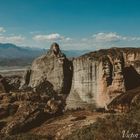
x=74, y=24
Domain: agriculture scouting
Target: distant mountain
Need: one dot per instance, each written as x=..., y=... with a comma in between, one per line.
x=12, y=55
x=12, y=51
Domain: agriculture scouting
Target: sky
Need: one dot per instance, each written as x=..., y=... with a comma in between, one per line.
x=74, y=24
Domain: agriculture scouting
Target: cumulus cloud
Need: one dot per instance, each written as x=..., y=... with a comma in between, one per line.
x=108, y=37
x=12, y=39
x=94, y=42
x=50, y=37
x=113, y=37
x=16, y=39
x=2, y=30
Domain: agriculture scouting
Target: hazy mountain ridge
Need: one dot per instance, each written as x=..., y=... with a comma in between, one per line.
x=13, y=51
x=12, y=55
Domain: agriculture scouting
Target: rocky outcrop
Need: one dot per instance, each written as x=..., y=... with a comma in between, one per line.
x=2, y=87
x=99, y=77
x=39, y=96
x=28, y=110
x=13, y=82
x=9, y=83
x=94, y=79
x=52, y=67
x=125, y=102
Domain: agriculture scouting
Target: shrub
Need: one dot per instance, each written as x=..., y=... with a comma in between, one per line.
x=110, y=127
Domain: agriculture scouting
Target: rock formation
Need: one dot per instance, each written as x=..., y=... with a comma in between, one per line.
x=100, y=76
x=103, y=79
x=53, y=67
x=9, y=83
x=28, y=110
x=95, y=78
x=125, y=102
x=39, y=96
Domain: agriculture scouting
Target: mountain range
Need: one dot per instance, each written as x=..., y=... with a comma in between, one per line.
x=12, y=55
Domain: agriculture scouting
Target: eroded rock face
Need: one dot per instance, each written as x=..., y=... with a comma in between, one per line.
x=95, y=78
x=28, y=110
x=125, y=102
x=9, y=83
x=53, y=67
x=99, y=77
x=2, y=88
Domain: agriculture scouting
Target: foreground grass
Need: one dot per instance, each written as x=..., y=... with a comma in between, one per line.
x=112, y=127
x=109, y=128
x=27, y=136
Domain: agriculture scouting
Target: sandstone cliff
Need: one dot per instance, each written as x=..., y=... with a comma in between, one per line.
x=100, y=76
x=53, y=67
x=93, y=79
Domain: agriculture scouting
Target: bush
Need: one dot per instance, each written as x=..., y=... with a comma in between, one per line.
x=109, y=128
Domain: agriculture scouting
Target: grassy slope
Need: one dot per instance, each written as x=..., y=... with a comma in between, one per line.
x=110, y=128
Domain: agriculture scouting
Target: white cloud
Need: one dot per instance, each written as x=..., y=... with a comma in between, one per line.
x=94, y=42
x=12, y=39
x=108, y=40
x=133, y=38
x=68, y=39
x=17, y=39
x=2, y=30
x=113, y=37
x=50, y=37
x=108, y=37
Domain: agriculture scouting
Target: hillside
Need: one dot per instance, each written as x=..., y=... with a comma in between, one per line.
x=12, y=51
x=12, y=55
